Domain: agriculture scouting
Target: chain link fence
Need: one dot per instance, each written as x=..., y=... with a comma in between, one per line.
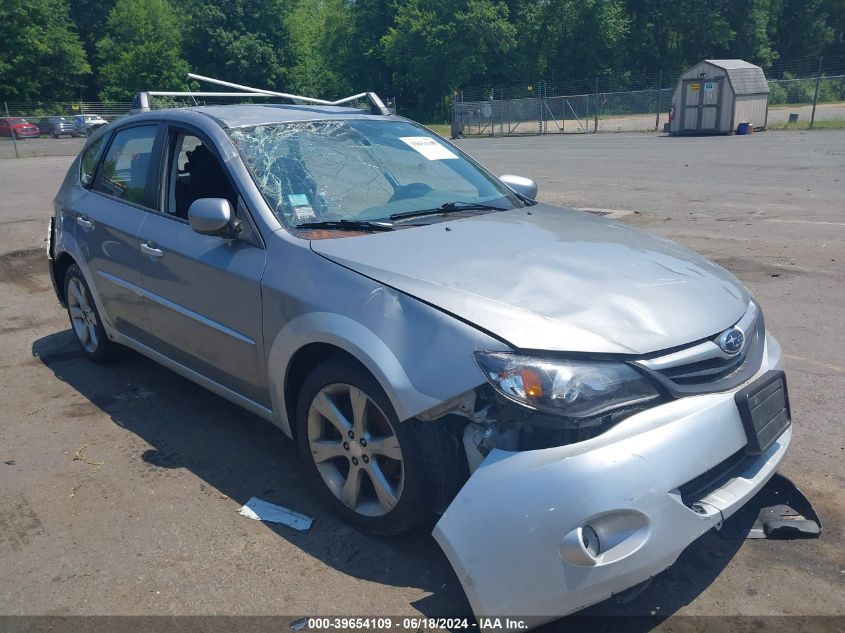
x=571, y=107
x=804, y=94
x=806, y=103
x=52, y=140
x=70, y=143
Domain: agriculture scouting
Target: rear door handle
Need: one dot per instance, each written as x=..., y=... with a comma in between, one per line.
x=85, y=223
x=151, y=250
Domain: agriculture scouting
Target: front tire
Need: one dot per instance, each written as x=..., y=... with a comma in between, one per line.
x=355, y=451
x=85, y=321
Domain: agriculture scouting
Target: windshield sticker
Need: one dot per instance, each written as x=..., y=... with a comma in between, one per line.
x=304, y=214
x=298, y=200
x=428, y=147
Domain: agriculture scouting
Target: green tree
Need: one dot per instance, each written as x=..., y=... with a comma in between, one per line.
x=580, y=38
x=142, y=50
x=90, y=17
x=435, y=46
x=754, y=23
x=671, y=36
x=319, y=36
x=43, y=57
x=804, y=28
x=836, y=10
x=244, y=41
x=364, y=62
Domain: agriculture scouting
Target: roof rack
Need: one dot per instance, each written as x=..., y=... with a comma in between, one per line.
x=141, y=102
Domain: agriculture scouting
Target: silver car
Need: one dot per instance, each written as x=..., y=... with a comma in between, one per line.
x=579, y=400
x=85, y=124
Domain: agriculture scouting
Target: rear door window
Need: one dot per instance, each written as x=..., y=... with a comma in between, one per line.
x=125, y=171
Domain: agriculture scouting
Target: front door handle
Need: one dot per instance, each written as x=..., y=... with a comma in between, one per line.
x=85, y=223
x=151, y=250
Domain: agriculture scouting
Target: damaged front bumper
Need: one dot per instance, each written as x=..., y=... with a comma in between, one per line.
x=543, y=533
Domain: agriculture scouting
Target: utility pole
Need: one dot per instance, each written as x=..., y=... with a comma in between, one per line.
x=596, y=109
x=816, y=95
x=540, y=105
x=11, y=131
x=657, y=107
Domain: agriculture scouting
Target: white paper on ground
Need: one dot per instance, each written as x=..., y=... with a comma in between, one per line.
x=261, y=510
x=428, y=147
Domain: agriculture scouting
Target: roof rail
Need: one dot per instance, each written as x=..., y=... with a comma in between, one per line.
x=141, y=102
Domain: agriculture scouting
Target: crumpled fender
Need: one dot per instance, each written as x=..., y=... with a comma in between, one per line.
x=352, y=337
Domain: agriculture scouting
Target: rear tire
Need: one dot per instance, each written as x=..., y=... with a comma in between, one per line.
x=85, y=320
x=363, y=462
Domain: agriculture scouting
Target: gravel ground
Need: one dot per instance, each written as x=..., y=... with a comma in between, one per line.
x=120, y=485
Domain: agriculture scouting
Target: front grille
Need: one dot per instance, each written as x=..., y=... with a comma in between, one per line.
x=705, y=367
x=720, y=369
x=706, y=370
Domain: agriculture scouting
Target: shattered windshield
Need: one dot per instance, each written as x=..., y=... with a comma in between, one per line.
x=358, y=170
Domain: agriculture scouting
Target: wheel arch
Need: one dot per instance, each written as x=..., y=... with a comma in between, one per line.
x=59, y=265
x=304, y=361
x=58, y=269
x=311, y=338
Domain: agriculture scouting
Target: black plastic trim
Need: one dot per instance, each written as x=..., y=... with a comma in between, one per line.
x=698, y=488
x=762, y=432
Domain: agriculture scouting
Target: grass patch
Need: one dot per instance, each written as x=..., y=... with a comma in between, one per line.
x=443, y=129
x=825, y=124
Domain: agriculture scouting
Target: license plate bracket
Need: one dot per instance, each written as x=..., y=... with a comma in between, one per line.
x=764, y=410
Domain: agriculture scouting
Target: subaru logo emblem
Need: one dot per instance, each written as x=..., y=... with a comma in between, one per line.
x=731, y=341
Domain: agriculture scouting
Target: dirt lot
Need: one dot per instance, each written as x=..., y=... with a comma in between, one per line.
x=119, y=486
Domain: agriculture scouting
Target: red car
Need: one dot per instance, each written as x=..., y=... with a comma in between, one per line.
x=22, y=127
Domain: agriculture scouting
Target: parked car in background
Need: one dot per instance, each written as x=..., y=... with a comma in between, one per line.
x=56, y=126
x=21, y=127
x=84, y=124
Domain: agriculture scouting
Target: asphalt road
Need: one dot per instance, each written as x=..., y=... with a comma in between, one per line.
x=37, y=147
x=119, y=485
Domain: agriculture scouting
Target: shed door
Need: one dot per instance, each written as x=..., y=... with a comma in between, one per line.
x=702, y=104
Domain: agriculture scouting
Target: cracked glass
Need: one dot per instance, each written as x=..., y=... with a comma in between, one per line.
x=360, y=170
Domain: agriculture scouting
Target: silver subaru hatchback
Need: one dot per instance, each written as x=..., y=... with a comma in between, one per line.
x=577, y=399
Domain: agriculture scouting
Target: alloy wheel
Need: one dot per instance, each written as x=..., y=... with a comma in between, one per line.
x=83, y=317
x=355, y=449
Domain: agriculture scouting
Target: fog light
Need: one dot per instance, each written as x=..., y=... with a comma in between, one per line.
x=590, y=541
x=605, y=538
x=581, y=547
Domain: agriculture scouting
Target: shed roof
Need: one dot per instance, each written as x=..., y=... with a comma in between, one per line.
x=745, y=78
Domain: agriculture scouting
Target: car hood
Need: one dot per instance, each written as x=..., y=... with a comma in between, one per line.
x=547, y=278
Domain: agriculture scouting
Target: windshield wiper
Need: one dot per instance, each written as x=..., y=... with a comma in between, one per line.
x=347, y=225
x=447, y=207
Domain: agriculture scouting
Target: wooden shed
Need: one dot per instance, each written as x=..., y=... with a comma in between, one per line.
x=716, y=95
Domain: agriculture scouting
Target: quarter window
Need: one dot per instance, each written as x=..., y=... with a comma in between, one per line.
x=89, y=162
x=126, y=167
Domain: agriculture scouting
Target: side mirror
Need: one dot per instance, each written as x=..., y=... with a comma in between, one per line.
x=520, y=184
x=213, y=216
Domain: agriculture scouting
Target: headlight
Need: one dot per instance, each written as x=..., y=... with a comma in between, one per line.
x=571, y=388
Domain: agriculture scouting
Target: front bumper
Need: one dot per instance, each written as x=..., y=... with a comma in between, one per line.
x=512, y=533
x=51, y=261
